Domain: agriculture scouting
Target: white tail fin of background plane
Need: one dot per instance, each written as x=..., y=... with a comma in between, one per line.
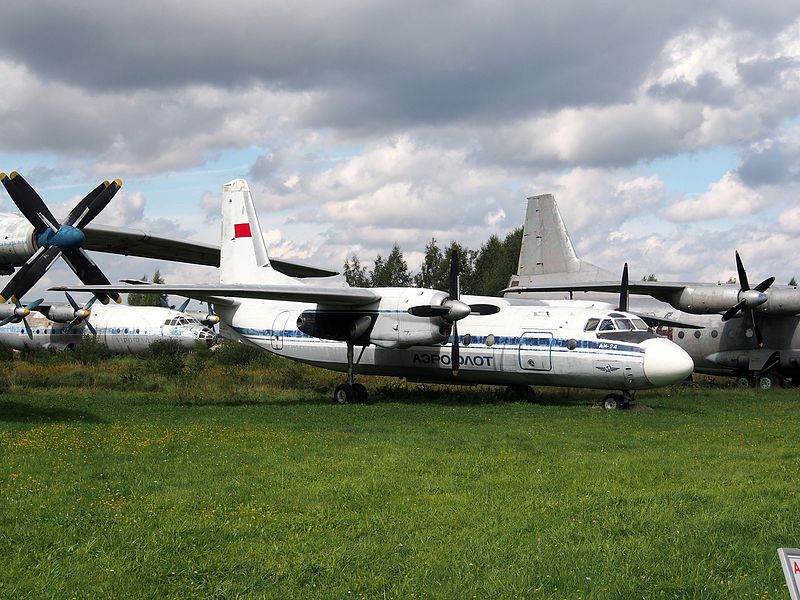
x=547, y=253
x=243, y=253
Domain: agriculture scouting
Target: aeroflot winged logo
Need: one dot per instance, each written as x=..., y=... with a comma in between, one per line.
x=241, y=230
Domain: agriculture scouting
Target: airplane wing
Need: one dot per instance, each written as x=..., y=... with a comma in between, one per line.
x=656, y=289
x=135, y=242
x=346, y=297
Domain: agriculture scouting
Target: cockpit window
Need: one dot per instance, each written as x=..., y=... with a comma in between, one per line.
x=623, y=324
x=591, y=324
x=640, y=325
x=606, y=325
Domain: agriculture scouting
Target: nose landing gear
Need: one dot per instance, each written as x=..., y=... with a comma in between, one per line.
x=618, y=401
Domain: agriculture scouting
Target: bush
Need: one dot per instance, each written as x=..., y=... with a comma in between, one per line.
x=90, y=351
x=237, y=354
x=166, y=357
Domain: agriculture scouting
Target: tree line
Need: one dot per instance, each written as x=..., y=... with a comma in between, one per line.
x=485, y=271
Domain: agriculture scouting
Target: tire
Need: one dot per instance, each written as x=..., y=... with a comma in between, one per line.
x=611, y=402
x=519, y=393
x=344, y=394
x=743, y=382
x=765, y=382
x=361, y=393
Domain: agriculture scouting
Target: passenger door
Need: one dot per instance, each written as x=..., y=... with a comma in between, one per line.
x=535, y=351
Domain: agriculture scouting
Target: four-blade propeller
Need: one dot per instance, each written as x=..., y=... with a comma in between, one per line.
x=749, y=299
x=20, y=313
x=56, y=239
x=81, y=313
x=453, y=309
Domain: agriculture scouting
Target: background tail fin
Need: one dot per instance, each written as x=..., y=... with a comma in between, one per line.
x=243, y=253
x=547, y=253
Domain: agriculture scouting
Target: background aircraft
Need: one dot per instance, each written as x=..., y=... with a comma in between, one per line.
x=123, y=329
x=751, y=333
x=36, y=238
x=414, y=332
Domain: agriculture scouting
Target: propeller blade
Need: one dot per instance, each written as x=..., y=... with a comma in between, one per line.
x=624, y=294
x=34, y=304
x=98, y=203
x=81, y=207
x=182, y=307
x=743, y=284
x=91, y=329
x=7, y=320
x=27, y=328
x=428, y=310
x=455, y=283
x=30, y=273
x=454, y=352
x=89, y=273
x=764, y=285
x=484, y=309
x=71, y=301
x=734, y=310
x=28, y=202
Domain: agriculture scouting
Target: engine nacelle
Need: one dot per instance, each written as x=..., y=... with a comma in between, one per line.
x=781, y=301
x=60, y=314
x=396, y=328
x=706, y=299
x=16, y=242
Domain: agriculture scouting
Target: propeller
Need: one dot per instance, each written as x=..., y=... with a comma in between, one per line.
x=624, y=293
x=81, y=313
x=57, y=239
x=749, y=299
x=209, y=320
x=20, y=314
x=453, y=309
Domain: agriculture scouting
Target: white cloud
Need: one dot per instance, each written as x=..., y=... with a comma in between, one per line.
x=726, y=198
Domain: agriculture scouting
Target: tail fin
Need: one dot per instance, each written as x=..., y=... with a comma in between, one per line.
x=547, y=253
x=243, y=253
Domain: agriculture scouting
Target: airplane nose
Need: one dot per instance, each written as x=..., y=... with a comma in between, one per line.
x=665, y=362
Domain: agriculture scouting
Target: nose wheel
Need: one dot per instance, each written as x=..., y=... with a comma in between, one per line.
x=350, y=392
x=618, y=401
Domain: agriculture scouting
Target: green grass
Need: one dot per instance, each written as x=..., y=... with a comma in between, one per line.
x=228, y=482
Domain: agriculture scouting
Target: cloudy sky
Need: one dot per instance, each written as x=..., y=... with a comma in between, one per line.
x=668, y=132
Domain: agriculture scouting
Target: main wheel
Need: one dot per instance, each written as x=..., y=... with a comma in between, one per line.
x=519, y=393
x=765, y=382
x=362, y=396
x=611, y=402
x=344, y=394
x=743, y=382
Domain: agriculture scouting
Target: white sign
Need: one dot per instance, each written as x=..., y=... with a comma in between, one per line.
x=790, y=561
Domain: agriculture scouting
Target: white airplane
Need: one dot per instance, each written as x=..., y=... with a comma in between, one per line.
x=122, y=329
x=414, y=333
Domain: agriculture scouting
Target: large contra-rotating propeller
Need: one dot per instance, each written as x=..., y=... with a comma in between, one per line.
x=20, y=313
x=453, y=309
x=57, y=239
x=749, y=299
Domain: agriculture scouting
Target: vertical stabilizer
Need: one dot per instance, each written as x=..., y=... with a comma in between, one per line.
x=547, y=253
x=243, y=253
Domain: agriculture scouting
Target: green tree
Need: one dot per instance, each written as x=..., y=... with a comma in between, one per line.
x=650, y=277
x=494, y=264
x=391, y=272
x=466, y=267
x=354, y=273
x=434, y=270
x=144, y=299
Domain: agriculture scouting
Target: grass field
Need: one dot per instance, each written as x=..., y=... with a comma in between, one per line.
x=229, y=481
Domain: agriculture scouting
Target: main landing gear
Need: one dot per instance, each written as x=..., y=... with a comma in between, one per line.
x=350, y=392
x=763, y=381
x=618, y=401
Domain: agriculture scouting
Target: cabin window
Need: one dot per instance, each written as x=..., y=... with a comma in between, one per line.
x=623, y=324
x=681, y=334
x=466, y=339
x=490, y=340
x=640, y=325
x=697, y=334
x=606, y=325
x=714, y=333
x=591, y=324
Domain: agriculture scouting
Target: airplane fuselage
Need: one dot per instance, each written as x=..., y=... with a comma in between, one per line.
x=517, y=346
x=123, y=329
